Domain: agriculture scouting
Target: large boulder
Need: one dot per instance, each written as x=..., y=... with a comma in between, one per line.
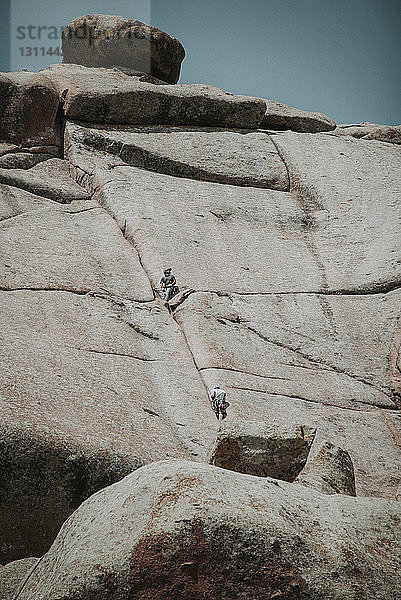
x=108, y=40
x=28, y=108
x=330, y=471
x=392, y=135
x=98, y=95
x=175, y=530
x=281, y=117
x=261, y=449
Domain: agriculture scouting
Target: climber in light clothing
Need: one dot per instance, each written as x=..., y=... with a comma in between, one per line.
x=219, y=402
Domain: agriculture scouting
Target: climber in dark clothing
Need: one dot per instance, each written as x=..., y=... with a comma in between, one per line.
x=168, y=285
x=219, y=402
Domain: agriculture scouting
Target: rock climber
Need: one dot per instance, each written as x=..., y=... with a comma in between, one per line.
x=219, y=402
x=168, y=285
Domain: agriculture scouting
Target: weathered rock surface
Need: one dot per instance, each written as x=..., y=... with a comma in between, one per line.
x=257, y=448
x=321, y=237
x=289, y=299
x=281, y=117
x=246, y=158
x=371, y=131
x=50, y=179
x=108, y=40
x=349, y=194
x=329, y=471
x=340, y=357
x=97, y=95
x=14, y=201
x=103, y=386
x=12, y=576
x=28, y=108
x=78, y=250
x=304, y=358
x=22, y=160
x=229, y=238
x=175, y=529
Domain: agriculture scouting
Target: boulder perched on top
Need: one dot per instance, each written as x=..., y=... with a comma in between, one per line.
x=258, y=449
x=108, y=40
x=282, y=117
x=28, y=109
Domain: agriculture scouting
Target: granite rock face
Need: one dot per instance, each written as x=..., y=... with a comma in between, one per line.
x=78, y=250
x=28, y=106
x=175, y=529
x=285, y=246
x=108, y=40
x=313, y=239
x=105, y=386
x=255, y=448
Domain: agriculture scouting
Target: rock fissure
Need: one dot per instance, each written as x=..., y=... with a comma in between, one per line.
x=242, y=371
x=95, y=293
x=374, y=291
x=82, y=210
x=69, y=290
x=25, y=581
x=296, y=397
x=38, y=191
x=282, y=157
x=122, y=354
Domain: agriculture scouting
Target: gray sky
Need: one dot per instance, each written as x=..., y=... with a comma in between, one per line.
x=334, y=56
